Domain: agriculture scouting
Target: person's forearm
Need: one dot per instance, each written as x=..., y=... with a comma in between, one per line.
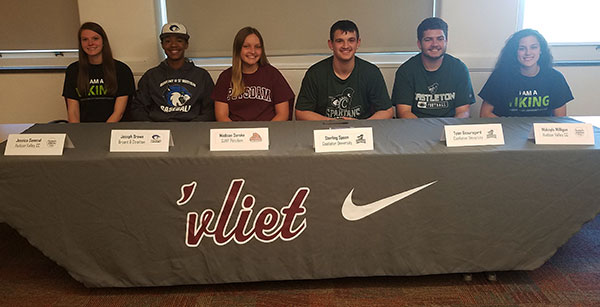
x=383, y=114
x=560, y=112
x=118, y=110
x=407, y=114
x=222, y=118
x=282, y=112
x=115, y=117
x=280, y=117
x=464, y=114
x=487, y=110
x=73, y=111
x=310, y=115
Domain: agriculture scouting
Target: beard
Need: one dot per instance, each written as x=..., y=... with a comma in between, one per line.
x=433, y=58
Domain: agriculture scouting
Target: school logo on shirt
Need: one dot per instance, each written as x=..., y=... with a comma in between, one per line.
x=529, y=101
x=433, y=100
x=339, y=105
x=96, y=88
x=433, y=88
x=176, y=97
x=252, y=92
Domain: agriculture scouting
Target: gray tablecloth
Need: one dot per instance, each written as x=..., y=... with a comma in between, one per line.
x=113, y=219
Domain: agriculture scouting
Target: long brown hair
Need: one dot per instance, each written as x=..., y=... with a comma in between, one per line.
x=508, y=62
x=237, y=84
x=108, y=63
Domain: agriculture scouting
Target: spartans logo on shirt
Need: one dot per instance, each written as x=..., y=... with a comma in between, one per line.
x=340, y=105
x=176, y=97
x=433, y=100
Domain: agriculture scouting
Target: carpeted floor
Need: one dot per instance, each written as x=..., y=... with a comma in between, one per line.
x=570, y=278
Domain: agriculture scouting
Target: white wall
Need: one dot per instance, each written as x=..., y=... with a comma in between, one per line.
x=130, y=26
x=477, y=31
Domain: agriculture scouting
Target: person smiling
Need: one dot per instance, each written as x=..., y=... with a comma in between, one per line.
x=97, y=87
x=252, y=89
x=176, y=89
x=432, y=83
x=343, y=86
x=524, y=83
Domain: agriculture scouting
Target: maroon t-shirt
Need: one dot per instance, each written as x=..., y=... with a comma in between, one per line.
x=264, y=89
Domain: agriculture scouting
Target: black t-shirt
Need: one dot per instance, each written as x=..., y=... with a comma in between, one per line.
x=97, y=106
x=359, y=96
x=433, y=93
x=518, y=95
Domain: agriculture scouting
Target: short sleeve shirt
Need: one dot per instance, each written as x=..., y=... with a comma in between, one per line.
x=433, y=93
x=359, y=96
x=263, y=90
x=96, y=105
x=519, y=95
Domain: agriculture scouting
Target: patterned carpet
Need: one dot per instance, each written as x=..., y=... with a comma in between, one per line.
x=570, y=278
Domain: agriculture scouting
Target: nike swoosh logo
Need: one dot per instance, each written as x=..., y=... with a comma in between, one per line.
x=352, y=212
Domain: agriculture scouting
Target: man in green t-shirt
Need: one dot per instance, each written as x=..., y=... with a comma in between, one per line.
x=343, y=86
x=432, y=83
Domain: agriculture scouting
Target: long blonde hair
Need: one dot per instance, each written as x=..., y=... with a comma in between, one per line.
x=237, y=84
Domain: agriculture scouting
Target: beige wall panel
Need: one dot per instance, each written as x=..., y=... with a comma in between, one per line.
x=31, y=98
x=584, y=83
x=130, y=26
x=298, y=27
x=38, y=24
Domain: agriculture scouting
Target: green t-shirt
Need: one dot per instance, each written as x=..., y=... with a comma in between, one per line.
x=433, y=93
x=359, y=96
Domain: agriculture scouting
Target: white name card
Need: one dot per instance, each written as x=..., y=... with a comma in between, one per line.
x=341, y=140
x=140, y=140
x=563, y=134
x=473, y=135
x=239, y=139
x=37, y=144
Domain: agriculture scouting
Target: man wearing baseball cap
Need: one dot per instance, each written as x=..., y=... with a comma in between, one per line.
x=176, y=89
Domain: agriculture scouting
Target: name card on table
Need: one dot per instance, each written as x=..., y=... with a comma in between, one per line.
x=239, y=139
x=341, y=140
x=140, y=140
x=37, y=144
x=563, y=134
x=473, y=135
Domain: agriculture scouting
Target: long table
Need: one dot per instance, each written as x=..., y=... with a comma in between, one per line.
x=192, y=216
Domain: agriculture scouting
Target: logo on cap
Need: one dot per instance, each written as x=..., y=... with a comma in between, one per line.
x=174, y=28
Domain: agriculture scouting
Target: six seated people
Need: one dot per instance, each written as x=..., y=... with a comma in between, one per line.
x=341, y=86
